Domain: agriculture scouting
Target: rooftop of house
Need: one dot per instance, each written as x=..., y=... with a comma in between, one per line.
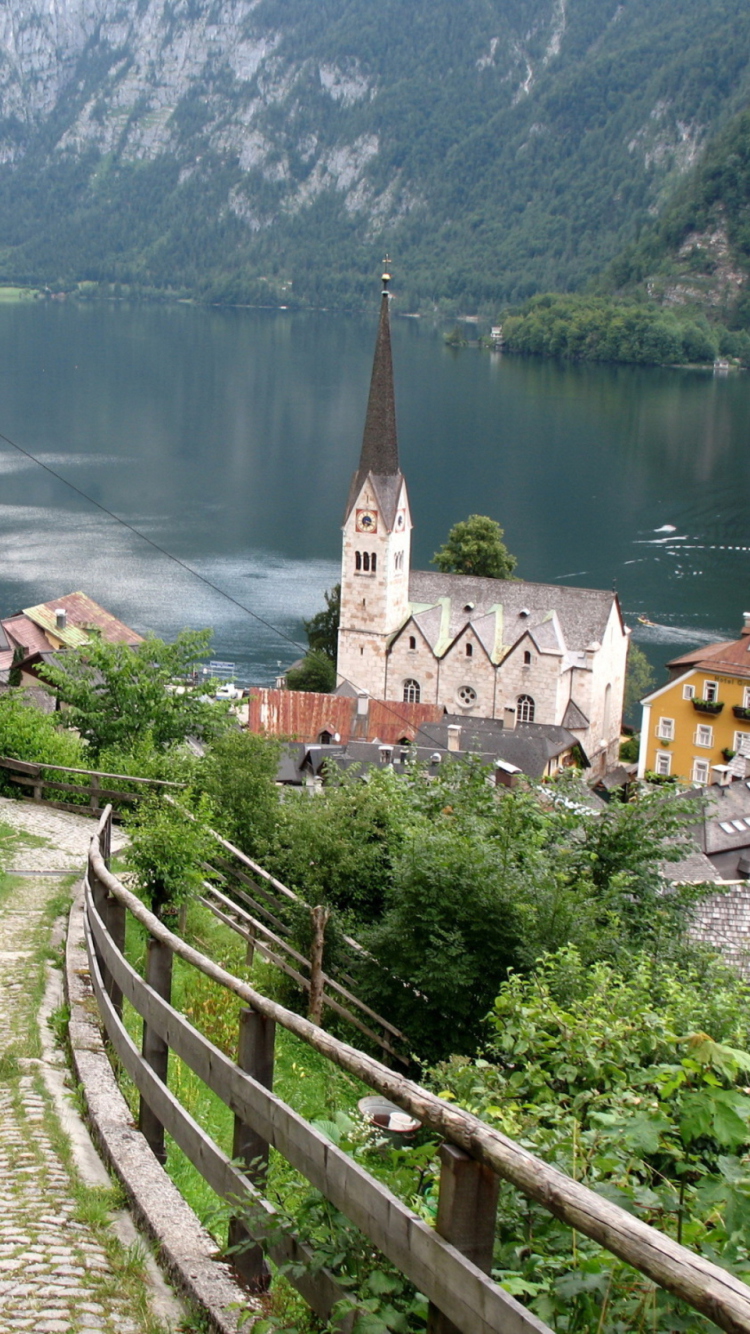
x=558, y=618
x=731, y=656
x=306, y=715
x=81, y=617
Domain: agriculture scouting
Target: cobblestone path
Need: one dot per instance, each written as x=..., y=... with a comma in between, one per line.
x=63, y=1266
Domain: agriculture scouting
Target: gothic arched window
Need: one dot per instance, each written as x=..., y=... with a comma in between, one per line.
x=412, y=641
x=374, y=561
x=527, y=658
x=525, y=709
x=469, y=650
x=358, y=560
x=366, y=561
x=412, y=691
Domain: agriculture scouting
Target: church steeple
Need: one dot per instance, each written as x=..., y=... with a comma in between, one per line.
x=379, y=454
x=377, y=533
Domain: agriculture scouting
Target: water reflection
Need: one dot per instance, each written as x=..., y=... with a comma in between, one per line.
x=229, y=437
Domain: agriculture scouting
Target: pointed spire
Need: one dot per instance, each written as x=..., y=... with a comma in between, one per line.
x=379, y=442
x=379, y=456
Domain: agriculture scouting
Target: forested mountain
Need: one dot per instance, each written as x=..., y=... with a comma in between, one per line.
x=272, y=149
x=698, y=253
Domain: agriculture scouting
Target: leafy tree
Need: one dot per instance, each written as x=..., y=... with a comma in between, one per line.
x=238, y=775
x=316, y=672
x=475, y=546
x=28, y=734
x=117, y=695
x=632, y=1079
x=639, y=679
x=322, y=629
x=167, y=851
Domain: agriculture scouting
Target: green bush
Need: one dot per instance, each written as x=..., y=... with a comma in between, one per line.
x=30, y=735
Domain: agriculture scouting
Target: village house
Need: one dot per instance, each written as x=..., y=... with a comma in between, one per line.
x=697, y=726
x=33, y=635
x=485, y=648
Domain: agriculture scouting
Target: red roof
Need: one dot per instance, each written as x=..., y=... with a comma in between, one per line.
x=303, y=715
x=730, y=657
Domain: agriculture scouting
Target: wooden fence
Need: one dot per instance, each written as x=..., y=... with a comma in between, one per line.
x=450, y=1263
x=33, y=780
x=256, y=910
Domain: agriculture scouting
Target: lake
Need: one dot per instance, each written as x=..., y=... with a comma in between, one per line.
x=228, y=438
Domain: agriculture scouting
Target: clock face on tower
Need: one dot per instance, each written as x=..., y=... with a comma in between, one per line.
x=367, y=521
x=400, y=520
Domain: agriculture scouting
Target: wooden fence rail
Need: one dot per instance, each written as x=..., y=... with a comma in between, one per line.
x=33, y=780
x=447, y=1264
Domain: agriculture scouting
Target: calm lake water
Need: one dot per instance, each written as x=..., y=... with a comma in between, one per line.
x=229, y=438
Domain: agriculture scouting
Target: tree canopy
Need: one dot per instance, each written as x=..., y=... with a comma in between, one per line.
x=117, y=695
x=322, y=629
x=475, y=546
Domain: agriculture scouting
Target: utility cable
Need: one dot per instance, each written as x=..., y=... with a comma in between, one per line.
x=436, y=745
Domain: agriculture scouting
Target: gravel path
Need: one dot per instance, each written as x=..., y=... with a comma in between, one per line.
x=63, y=1266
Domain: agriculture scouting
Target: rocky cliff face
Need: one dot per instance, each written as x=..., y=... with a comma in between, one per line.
x=501, y=146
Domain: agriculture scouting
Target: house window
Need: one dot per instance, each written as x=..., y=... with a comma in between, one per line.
x=741, y=743
x=700, y=771
x=358, y=560
x=665, y=729
x=663, y=763
x=374, y=562
x=469, y=650
x=526, y=658
x=398, y=560
x=412, y=641
x=366, y=561
x=710, y=691
x=466, y=696
x=704, y=736
x=688, y=692
x=746, y=698
x=525, y=709
x=412, y=691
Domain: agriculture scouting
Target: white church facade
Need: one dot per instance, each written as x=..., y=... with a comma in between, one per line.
x=489, y=648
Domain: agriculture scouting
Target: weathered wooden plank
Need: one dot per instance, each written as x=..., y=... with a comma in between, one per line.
x=6, y=763
x=466, y=1296
x=318, y=1286
x=263, y=949
x=84, y=788
x=705, y=1286
x=21, y=767
x=235, y=874
x=328, y=980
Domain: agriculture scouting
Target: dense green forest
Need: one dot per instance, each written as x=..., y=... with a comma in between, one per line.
x=497, y=150
x=589, y=328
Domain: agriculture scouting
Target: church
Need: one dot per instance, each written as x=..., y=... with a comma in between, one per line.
x=483, y=648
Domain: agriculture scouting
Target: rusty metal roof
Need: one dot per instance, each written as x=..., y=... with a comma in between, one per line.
x=304, y=715
x=83, y=616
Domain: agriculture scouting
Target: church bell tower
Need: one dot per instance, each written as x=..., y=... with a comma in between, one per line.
x=377, y=533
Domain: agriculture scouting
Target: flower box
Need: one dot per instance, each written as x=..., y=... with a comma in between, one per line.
x=707, y=705
x=740, y=712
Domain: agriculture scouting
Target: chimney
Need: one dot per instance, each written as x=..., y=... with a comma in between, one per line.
x=746, y=623
x=61, y=618
x=509, y=717
x=454, y=736
x=363, y=704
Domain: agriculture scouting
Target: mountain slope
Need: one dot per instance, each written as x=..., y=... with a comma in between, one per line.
x=270, y=149
x=698, y=255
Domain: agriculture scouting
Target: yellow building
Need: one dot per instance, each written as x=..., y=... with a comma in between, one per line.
x=701, y=718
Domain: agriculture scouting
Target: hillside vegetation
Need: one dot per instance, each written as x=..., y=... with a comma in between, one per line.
x=272, y=149
x=698, y=255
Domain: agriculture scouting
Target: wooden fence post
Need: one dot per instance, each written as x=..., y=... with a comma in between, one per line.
x=255, y=1055
x=105, y=840
x=467, y=1206
x=319, y=918
x=116, y=922
x=154, y=1049
x=250, y=946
